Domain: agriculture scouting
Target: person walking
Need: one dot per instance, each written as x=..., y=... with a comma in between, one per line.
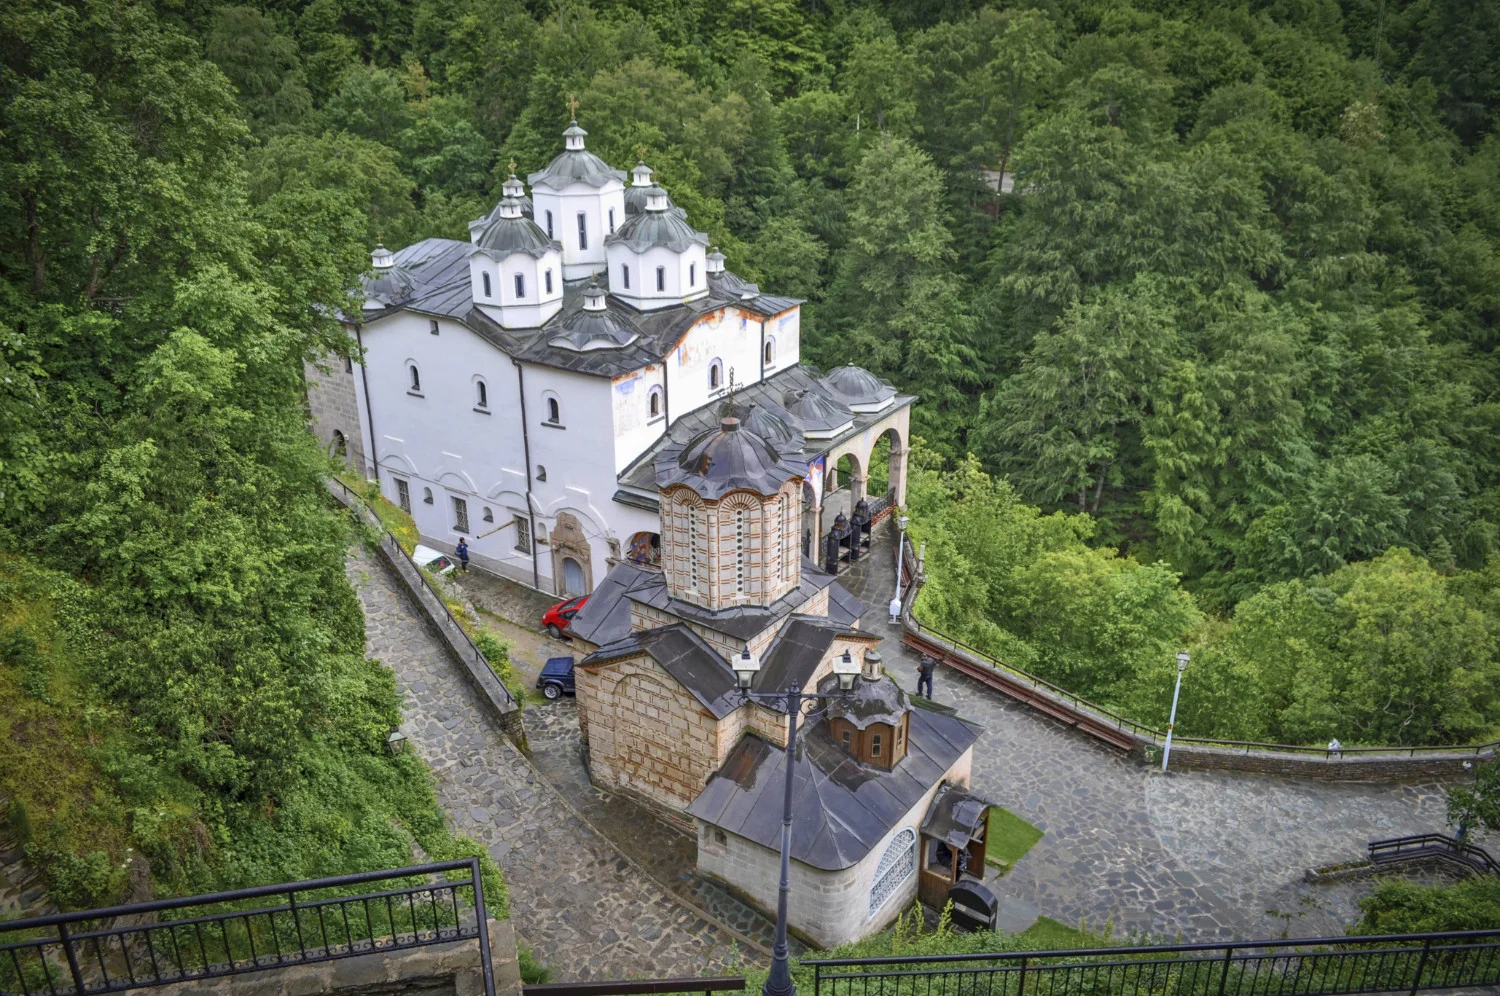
x=463, y=554
x=924, y=675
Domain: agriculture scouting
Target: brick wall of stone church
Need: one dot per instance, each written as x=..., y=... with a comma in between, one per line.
x=646, y=733
x=334, y=406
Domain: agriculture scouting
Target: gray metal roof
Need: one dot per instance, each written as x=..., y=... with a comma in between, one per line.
x=575, y=166
x=955, y=816
x=816, y=409
x=738, y=621
x=844, y=808
x=851, y=385
x=605, y=617
x=767, y=394
x=879, y=701
x=587, y=329
x=649, y=229
x=797, y=651
x=503, y=237
x=685, y=656
x=440, y=271
x=726, y=458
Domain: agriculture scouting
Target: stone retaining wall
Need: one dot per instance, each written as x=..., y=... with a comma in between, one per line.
x=503, y=707
x=437, y=969
x=1397, y=765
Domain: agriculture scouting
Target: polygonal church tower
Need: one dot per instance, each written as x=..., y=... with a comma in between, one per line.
x=656, y=259
x=579, y=199
x=730, y=515
x=515, y=270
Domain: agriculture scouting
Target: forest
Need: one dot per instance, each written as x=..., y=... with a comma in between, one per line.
x=1200, y=299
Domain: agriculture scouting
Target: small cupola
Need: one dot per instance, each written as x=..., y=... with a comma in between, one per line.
x=573, y=137
x=656, y=199
x=594, y=298
x=386, y=285
x=656, y=259
x=513, y=187
x=873, y=667
x=641, y=175
x=382, y=258
x=715, y=262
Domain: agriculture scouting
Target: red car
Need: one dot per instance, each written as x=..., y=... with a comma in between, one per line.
x=556, y=619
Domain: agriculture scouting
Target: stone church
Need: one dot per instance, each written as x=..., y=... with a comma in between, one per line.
x=665, y=719
x=517, y=388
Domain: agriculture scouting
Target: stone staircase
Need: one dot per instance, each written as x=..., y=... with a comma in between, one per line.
x=23, y=893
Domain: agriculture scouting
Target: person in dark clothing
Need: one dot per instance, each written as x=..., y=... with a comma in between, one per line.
x=924, y=676
x=463, y=554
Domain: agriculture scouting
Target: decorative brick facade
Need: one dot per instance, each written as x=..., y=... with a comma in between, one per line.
x=742, y=550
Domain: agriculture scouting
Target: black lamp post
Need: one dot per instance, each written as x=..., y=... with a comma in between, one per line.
x=779, y=982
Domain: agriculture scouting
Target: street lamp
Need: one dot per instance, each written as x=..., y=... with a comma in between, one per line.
x=902, y=521
x=779, y=982
x=1182, y=663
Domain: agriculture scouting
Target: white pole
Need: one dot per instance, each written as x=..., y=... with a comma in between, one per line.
x=1182, y=663
x=895, y=607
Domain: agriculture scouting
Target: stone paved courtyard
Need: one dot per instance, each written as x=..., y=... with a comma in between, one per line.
x=583, y=908
x=1201, y=855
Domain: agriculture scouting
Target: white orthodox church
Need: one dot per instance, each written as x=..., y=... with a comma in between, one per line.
x=517, y=389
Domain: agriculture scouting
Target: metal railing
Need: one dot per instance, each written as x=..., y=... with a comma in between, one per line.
x=1151, y=734
x=227, y=933
x=1315, y=967
x=389, y=541
x=1433, y=845
x=706, y=986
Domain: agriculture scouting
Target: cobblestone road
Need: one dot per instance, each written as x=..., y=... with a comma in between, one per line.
x=1203, y=855
x=584, y=910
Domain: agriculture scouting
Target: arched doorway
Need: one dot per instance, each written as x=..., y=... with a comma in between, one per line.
x=887, y=467
x=572, y=577
x=845, y=486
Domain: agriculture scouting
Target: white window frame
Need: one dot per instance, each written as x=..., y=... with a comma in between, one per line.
x=403, y=494
x=523, y=533
x=460, y=514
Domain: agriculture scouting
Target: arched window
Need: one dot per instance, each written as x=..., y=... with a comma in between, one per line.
x=541, y=473
x=554, y=411
x=625, y=276
x=715, y=375
x=489, y=515
x=661, y=278
x=416, y=378
x=549, y=224
x=520, y=285
x=611, y=220
x=896, y=866
x=692, y=274
x=770, y=351
x=486, y=278
x=583, y=231
x=427, y=496
x=482, y=394
x=654, y=402
x=549, y=281
x=340, y=445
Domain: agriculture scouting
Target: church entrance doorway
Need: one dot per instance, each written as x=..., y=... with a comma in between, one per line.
x=572, y=577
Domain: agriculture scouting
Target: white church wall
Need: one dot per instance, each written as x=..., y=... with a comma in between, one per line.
x=832, y=907
x=728, y=335
x=635, y=428
x=784, y=333
x=594, y=204
x=437, y=440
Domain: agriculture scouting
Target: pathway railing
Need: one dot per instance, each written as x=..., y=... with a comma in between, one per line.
x=246, y=930
x=1317, y=967
x=432, y=600
x=1433, y=845
x=706, y=986
x=1100, y=719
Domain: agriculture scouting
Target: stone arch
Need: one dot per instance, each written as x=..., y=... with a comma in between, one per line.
x=887, y=467
x=743, y=535
x=568, y=541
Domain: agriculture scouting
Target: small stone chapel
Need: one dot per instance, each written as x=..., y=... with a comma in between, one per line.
x=666, y=722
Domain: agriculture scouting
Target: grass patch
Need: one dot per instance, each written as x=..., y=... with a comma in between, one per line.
x=1008, y=838
x=401, y=525
x=1047, y=934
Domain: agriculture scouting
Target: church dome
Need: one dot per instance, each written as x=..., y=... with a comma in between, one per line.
x=511, y=232
x=821, y=416
x=575, y=164
x=870, y=701
x=729, y=284
x=726, y=458
x=857, y=388
x=386, y=284
x=775, y=427
x=658, y=224
x=594, y=327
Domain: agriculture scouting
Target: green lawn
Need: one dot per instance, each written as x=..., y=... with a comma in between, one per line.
x=1008, y=838
x=1048, y=934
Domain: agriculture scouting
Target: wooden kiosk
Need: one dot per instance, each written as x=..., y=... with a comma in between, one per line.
x=951, y=862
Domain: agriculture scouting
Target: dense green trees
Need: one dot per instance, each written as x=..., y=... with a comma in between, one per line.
x=181, y=648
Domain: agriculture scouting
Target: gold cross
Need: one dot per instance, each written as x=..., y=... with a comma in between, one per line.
x=573, y=106
x=513, y=166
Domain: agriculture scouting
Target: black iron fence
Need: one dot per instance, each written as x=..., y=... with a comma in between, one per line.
x=1433, y=845
x=706, y=986
x=247, y=930
x=1318, y=967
